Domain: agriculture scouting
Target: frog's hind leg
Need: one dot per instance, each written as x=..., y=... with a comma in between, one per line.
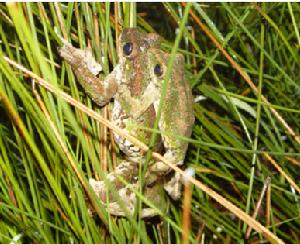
x=126, y=203
x=126, y=171
x=129, y=203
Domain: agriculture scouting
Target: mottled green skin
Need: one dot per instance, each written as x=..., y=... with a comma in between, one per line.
x=133, y=82
x=136, y=90
x=137, y=72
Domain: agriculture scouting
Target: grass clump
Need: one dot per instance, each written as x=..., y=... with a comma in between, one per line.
x=242, y=61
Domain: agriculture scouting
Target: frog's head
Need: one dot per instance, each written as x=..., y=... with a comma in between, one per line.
x=133, y=50
x=134, y=43
x=158, y=62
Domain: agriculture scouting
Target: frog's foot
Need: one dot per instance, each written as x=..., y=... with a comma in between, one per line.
x=115, y=209
x=99, y=188
x=86, y=69
x=78, y=56
x=174, y=186
x=103, y=192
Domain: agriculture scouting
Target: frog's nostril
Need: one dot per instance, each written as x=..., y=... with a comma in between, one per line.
x=158, y=70
x=127, y=48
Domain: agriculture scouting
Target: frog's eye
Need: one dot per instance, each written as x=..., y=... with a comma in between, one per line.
x=127, y=48
x=158, y=70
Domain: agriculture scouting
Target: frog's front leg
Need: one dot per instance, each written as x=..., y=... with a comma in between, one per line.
x=86, y=68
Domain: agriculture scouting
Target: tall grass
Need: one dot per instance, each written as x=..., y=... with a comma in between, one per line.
x=243, y=63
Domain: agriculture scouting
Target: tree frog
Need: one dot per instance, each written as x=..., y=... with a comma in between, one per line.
x=135, y=84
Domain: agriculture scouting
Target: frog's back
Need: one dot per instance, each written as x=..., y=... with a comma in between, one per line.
x=177, y=109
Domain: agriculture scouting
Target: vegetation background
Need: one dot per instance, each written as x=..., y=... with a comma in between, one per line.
x=243, y=63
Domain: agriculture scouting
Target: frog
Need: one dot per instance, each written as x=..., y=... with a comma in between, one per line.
x=135, y=84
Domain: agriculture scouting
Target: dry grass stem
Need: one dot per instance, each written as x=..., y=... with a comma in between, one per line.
x=282, y=172
x=186, y=217
x=258, y=205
